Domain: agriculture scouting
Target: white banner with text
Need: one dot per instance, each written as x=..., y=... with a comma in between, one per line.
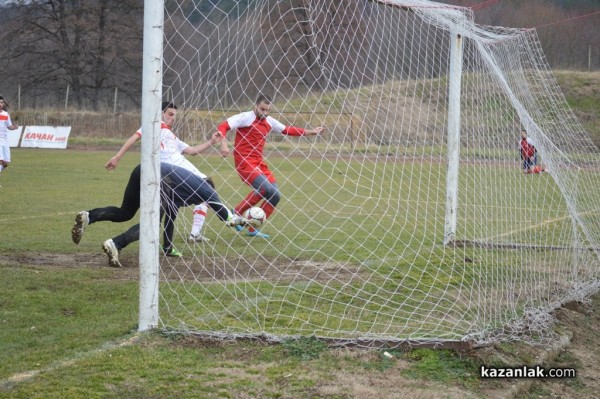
x=46, y=136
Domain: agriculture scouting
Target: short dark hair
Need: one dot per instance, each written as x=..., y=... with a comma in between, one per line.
x=263, y=98
x=168, y=104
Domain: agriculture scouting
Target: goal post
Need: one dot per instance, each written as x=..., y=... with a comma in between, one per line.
x=411, y=219
x=454, y=80
x=150, y=164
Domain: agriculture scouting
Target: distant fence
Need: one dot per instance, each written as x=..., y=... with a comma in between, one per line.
x=192, y=125
x=83, y=124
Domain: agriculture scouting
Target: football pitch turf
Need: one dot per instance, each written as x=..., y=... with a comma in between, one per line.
x=361, y=239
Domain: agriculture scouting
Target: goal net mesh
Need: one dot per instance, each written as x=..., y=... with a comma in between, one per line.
x=359, y=247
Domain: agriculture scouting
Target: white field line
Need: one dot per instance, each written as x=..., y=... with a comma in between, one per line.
x=28, y=375
x=535, y=226
x=12, y=219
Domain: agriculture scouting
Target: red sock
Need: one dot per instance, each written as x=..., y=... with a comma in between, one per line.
x=268, y=208
x=251, y=199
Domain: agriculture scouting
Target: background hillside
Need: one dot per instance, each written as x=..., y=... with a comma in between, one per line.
x=97, y=129
x=567, y=29
x=85, y=56
x=582, y=91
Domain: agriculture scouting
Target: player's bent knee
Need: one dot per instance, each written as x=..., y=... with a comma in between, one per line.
x=273, y=198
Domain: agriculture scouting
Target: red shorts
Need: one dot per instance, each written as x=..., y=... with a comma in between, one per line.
x=250, y=171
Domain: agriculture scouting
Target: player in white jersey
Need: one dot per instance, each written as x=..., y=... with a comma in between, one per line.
x=171, y=152
x=6, y=124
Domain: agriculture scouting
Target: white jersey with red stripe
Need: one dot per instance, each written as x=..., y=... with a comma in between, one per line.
x=5, y=122
x=171, y=150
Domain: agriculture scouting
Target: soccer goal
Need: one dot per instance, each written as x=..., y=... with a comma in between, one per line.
x=410, y=219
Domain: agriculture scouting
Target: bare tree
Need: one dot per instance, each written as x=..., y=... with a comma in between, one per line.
x=91, y=46
x=567, y=30
x=95, y=46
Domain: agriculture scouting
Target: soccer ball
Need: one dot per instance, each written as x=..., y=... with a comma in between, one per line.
x=256, y=217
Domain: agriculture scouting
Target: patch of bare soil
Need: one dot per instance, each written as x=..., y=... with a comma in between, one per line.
x=199, y=270
x=583, y=354
x=72, y=261
x=579, y=325
x=207, y=269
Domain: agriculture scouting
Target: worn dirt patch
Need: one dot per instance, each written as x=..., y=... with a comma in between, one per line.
x=257, y=269
x=200, y=270
x=72, y=261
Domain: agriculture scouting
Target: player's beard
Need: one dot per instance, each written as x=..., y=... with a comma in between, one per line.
x=259, y=114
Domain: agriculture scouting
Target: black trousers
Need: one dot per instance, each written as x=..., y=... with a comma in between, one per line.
x=129, y=206
x=128, y=209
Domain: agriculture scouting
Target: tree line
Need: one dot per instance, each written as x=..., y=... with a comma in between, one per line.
x=570, y=40
x=90, y=47
x=93, y=48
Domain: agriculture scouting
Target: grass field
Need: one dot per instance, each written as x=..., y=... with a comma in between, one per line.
x=369, y=268
x=68, y=321
x=365, y=242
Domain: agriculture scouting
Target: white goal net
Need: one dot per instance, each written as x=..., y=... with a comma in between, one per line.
x=411, y=217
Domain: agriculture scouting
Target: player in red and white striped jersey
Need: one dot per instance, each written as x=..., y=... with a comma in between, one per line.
x=251, y=129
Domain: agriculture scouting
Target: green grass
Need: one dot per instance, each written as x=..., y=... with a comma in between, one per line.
x=376, y=227
x=69, y=321
x=44, y=318
x=46, y=189
x=69, y=333
x=401, y=272
x=581, y=92
x=442, y=365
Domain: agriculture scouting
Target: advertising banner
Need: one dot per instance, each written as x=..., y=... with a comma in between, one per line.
x=46, y=136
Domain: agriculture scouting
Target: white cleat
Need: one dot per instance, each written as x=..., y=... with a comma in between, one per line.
x=112, y=252
x=197, y=238
x=236, y=220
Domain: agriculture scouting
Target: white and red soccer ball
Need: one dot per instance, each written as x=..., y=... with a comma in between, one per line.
x=255, y=216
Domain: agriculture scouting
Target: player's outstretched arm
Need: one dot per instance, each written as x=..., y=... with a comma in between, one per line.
x=114, y=161
x=222, y=129
x=312, y=132
x=197, y=149
x=224, y=147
